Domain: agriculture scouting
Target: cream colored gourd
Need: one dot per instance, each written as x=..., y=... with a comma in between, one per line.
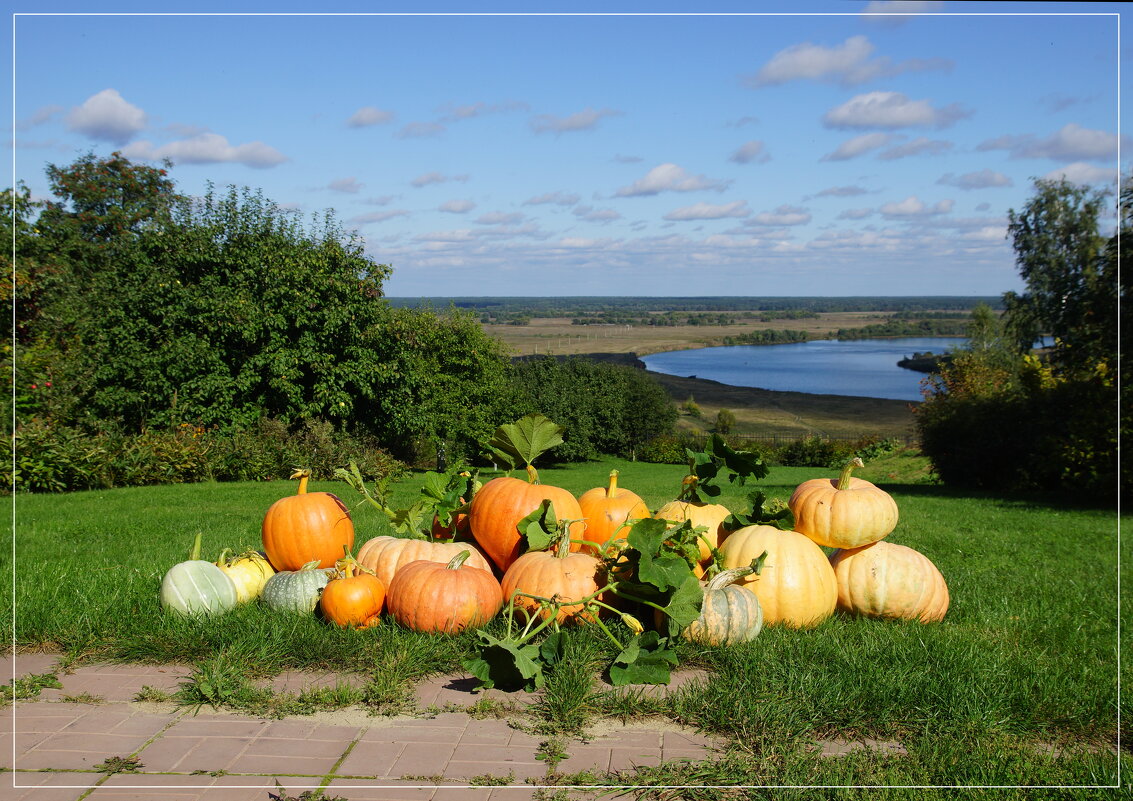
x=884, y=579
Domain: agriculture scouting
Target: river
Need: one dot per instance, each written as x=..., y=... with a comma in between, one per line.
x=862, y=367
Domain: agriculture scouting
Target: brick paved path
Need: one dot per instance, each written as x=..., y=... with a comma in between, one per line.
x=63, y=745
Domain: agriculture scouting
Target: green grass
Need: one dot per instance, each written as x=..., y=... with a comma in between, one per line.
x=1026, y=659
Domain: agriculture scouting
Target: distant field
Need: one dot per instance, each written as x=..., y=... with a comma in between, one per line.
x=558, y=337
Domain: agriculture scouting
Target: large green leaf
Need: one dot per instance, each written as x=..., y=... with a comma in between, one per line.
x=525, y=440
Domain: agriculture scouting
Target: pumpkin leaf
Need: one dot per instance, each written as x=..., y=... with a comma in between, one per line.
x=539, y=529
x=706, y=466
x=684, y=604
x=763, y=513
x=505, y=664
x=553, y=649
x=646, y=660
x=525, y=440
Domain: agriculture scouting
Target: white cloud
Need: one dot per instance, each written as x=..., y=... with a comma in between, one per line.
x=369, y=115
x=579, y=121
x=669, y=178
x=557, y=198
x=627, y=159
x=38, y=117
x=470, y=110
x=379, y=200
x=1082, y=173
x=898, y=12
x=842, y=191
x=855, y=214
x=436, y=178
x=591, y=214
x=706, y=211
x=913, y=206
x=499, y=218
x=378, y=216
x=457, y=206
x=920, y=146
x=349, y=185
x=852, y=148
x=784, y=215
x=848, y=64
x=207, y=148
x=421, y=130
x=891, y=110
x=749, y=152
x=981, y=179
x=1072, y=142
x=107, y=116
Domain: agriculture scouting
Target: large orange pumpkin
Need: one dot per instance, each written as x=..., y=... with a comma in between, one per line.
x=884, y=579
x=306, y=526
x=796, y=586
x=501, y=503
x=845, y=512
x=608, y=508
x=386, y=556
x=558, y=574
x=353, y=598
x=434, y=597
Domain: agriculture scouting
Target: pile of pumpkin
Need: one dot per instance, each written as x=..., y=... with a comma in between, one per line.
x=448, y=585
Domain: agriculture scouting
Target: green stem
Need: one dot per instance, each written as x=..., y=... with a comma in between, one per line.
x=609, y=634
x=844, y=478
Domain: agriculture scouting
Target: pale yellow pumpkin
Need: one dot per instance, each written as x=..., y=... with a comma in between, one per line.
x=709, y=515
x=884, y=579
x=796, y=586
x=846, y=512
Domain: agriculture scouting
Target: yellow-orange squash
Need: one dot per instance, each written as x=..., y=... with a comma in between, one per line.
x=796, y=586
x=447, y=598
x=709, y=515
x=353, y=598
x=305, y=527
x=501, y=503
x=385, y=556
x=558, y=574
x=884, y=579
x=845, y=512
x=607, y=509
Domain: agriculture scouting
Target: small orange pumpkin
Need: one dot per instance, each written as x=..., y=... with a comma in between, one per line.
x=353, y=598
x=447, y=598
x=845, y=512
x=607, y=509
x=558, y=574
x=306, y=526
x=796, y=586
x=884, y=579
x=501, y=503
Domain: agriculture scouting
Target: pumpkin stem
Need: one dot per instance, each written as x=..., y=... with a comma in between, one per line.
x=562, y=548
x=688, y=489
x=223, y=555
x=458, y=560
x=612, y=490
x=302, y=474
x=532, y=475
x=195, y=551
x=734, y=574
x=844, y=478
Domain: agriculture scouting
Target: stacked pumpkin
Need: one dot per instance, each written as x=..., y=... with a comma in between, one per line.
x=800, y=586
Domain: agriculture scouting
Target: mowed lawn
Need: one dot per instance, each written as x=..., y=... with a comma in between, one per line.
x=1017, y=686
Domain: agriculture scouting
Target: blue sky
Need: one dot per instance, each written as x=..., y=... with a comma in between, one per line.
x=831, y=152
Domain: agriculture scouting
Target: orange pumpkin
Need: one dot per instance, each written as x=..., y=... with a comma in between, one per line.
x=305, y=527
x=796, y=586
x=501, y=503
x=386, y=556
x=434, y=597
x=884, y=579
x=558, y=574
x=607, y=509
x=353, y=598
x=846, y=512
x=709, y=515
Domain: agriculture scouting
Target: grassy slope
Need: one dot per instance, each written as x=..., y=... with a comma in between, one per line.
x=1025, y=658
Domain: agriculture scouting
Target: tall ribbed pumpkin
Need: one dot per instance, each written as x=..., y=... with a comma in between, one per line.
x=607, y=509
x=884, y=579
x=305, y=527
x=796, y=586
x=709, y=515
x=503, y=502
x=386, y=555
x=845, y=512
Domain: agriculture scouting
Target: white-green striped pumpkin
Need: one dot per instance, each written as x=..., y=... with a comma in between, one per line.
x=296, y=590
x=197, y=587
x=730, y=613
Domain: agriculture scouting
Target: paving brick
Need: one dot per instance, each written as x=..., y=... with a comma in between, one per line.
x=585, y=758
x=429, y=761
x=460, y=690
x=296, y=681
x=386, y=790
x=20, y=665
x=629, y=758
x=187, y=754
x=517, y=769
x=487, y=732
x=369, y=758
x=78, y=751
x=119, y=682
x=208, y=725
x=840, y=747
